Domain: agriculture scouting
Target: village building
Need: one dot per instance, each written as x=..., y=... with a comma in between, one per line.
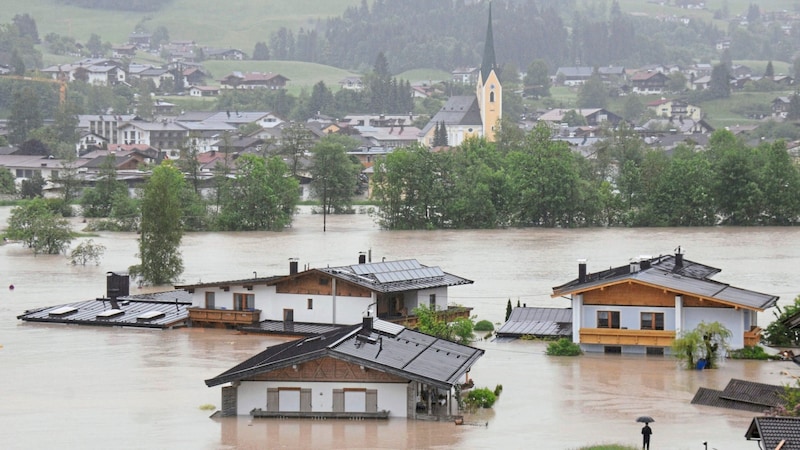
x=649, y=82
x=675, y=108
x=373, y=369
x=472, y=116
x=593, y=116
x=332, y=296
x=643, y=306
x=253, y=80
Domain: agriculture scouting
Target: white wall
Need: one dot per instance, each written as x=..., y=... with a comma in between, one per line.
x=629, y=316
x=348, y=310
x=253, y=394
x=730, y=318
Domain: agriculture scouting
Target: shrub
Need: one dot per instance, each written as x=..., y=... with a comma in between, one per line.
x=481, y=398
x=484, y=325
x=750, y=353
x=563, y=347
x=498, y=390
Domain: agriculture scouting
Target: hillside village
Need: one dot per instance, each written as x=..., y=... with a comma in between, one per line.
x=670, y=117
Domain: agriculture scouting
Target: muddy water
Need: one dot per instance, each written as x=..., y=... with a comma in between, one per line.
x=81, y=387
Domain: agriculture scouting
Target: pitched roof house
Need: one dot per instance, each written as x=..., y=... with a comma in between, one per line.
x=253, y=80
x=332, y=295
x=649, y=82
x=641, y=307
x=461, y=116
x=374, y=369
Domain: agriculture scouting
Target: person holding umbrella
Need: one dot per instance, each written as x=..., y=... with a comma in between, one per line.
x=646, y=431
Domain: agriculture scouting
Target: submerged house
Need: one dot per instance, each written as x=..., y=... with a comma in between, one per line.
x=642, y=306
x=375, y=369
x=300, y=302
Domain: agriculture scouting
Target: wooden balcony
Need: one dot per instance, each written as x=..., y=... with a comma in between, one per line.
x=618, y=336
x=223, y=317
x=752, y=337
x=448, y=315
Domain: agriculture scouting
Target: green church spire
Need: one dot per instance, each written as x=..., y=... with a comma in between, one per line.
x=489, y=62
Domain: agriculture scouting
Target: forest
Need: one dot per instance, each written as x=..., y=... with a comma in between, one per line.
x=444, y=34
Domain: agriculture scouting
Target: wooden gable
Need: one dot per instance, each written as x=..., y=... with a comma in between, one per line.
x=633, y=293
x=327, y=369
x=314, y=282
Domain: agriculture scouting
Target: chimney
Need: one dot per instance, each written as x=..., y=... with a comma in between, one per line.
x=581, y=271
x=292, y=266
x=634, y=266
x=362, y=258
x=366, y=324
x=644, y=262
x=117, y=285
x=678, y=259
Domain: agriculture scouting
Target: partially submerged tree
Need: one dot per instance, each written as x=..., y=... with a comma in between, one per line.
x=38, y=227
x=159, y=244
x=86, y=252
x=708, y=341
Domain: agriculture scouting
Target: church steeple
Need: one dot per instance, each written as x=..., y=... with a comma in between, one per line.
x=489, y=63
x=489, y=90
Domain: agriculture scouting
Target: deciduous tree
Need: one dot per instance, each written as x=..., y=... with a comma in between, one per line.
x=161, y=229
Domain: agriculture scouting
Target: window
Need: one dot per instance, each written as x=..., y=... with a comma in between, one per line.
x=491, y=97
x=655, y=351
x=613, y=349
x=310, y=303
x=432, y=300
x=607, y=319
x=652, y=321
x=243, y=302
x=209, y=300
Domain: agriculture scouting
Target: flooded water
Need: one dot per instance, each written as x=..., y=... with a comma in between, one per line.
x=83, y=387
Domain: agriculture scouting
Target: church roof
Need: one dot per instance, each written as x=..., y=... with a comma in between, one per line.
x=489, y=63
x=459, y=110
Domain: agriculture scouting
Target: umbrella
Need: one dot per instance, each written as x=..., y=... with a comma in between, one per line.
x=645, y=419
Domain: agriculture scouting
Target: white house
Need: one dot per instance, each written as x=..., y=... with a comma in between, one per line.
x=641, y=307
x=331, y=296
x=374, y=369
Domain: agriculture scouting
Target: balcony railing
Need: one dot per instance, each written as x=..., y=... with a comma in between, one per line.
x=621, y=336
x=752, y=337
x=223, y=316
x=448, y=315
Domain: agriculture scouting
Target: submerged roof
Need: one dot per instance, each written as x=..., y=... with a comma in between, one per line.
x=741, y=395
x=676, y=275
x=540, y=322
x=156, y=310
x=384, y=346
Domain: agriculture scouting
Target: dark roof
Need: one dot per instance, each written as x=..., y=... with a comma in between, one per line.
x=395, y=276
x=385, y=347
x=156, y=310
x=540, y=322
x=688, y=277
x=771, y=431
x=489, y=63
x=458, y=110
x=741, y=395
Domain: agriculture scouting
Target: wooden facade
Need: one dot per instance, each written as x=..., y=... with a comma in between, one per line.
x=612, y=336
x=328, y=369
x=319, y=283
x=222, y=317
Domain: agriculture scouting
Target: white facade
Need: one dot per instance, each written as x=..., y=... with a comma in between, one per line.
x=391, y=397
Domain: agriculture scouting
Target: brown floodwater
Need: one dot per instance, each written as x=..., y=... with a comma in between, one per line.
x=86, y=387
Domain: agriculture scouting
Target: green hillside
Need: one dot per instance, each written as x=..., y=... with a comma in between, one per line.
x=231, y=23
x=301, y=74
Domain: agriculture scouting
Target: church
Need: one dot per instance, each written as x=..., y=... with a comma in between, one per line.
x=467, y=116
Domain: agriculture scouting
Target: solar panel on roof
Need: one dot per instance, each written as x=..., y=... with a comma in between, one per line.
x=383, y=267
x=150, y=315
x=63, y=311
x=407, y=275
x=110, y=313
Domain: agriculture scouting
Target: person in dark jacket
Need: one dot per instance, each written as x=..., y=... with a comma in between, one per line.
x=646, y=432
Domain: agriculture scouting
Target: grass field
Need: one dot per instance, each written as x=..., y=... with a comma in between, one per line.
x=231, y=23
x=302, y=75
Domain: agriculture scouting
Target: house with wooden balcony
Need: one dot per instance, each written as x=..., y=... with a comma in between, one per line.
x=302, y=301
x=642, y=306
